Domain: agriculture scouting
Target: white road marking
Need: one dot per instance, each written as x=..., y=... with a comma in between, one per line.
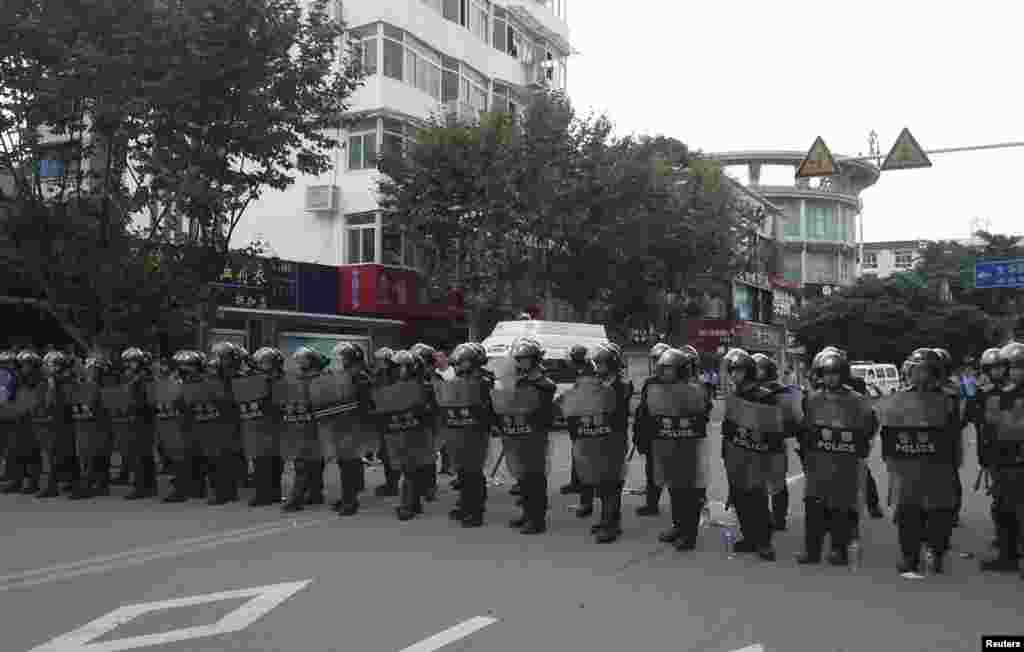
x=137, y=560
x=449, y=636
x=264, y=599
x=21, y=575
x=751, y=648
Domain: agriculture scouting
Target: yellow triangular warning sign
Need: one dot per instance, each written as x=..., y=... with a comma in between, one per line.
x=906, y=154
x=818, y=162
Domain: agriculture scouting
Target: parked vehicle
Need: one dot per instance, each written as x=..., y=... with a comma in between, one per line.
x=884, y=377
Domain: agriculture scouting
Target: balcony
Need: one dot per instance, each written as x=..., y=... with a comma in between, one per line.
x=537, y=16
x=460, y=111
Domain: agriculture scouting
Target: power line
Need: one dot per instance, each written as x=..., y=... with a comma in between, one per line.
x=943, y=150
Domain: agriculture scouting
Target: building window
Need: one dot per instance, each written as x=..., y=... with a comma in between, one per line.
x=500, y=31
x=392, y=58
x=396, y=245
x=362, y=238
x=396, y=137
x=870, y=260
x=366, y=41
x=362, y=145
x=904, y=259
x=409, y=60
x=451, y=10
x=478, y=18
x=474, y=88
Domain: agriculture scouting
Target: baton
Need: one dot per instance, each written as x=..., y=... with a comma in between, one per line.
x=497, y=464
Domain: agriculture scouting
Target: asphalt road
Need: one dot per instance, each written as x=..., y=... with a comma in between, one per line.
x=370, y=583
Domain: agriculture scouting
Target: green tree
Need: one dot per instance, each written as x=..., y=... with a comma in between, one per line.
x=139, y=133
x=884, y=321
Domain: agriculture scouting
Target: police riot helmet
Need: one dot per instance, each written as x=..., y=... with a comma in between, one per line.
x=406, y=360
x=310, y=360
x=98, y=363
x=578, y=354
x=58, y=363
x=927, y=359
x=30, y=358
x=831, y=362
x=189, y=363
x=349, y=354
x=947, y=360
x=136, y=355
x=767, y=369
x=738, y=359
x=655, y=353
x=607, y=357
x=990, y=358
x=464, y=358
x=268, y=359
x=526, y=347
x=673, y=358
x=425, y=353
x=481, y=352
x=1012, y=355
x=8, y=359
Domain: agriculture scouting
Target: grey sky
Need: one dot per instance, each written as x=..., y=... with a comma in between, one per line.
x=744, y=75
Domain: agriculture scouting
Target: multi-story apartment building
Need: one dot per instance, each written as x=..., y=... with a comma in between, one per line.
x=883, y=259
x=820, y=218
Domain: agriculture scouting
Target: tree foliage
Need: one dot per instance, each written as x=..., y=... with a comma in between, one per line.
x=137, y=134
x=884, y=321
x=555, y=199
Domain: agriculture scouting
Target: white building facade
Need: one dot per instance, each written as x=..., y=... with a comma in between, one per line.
x=422, y=58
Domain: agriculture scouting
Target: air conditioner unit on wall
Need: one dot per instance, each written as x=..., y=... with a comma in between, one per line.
x=321, y=199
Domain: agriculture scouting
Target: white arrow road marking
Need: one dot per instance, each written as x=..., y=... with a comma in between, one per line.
x=264, y=599
x=751, y=648
x=450, y=635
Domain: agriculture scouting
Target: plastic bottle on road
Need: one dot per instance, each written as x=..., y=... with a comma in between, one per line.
x=928, y=567
x=855, y=554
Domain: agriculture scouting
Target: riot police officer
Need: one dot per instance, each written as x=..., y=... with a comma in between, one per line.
x=8, y=412
x=920, y=446
x=754, y=429
x=93, y=434
x=952, y=388
x=354, y=432
x=1005, y=455
x=260, y=417
x=673, y=416
x=174, y=398
x=403, y=408
x=525, y=413
x=652, y=491
x=52, y=425
x=428, y=371
x=839, y=425
x=225, y=466
x=581, y=367
x=597, y=414
x=993, y=376
x=132, y=421
x=300, y=439
x=466, y=418
x=768, y=377
x=384, y=372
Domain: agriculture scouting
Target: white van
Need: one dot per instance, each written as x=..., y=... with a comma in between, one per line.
x=556, y=337
x=884, y=377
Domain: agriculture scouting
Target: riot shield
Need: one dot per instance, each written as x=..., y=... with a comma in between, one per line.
x=166, y=395
x=408, y=436
x=462, y=427
x=259, y=428
x=299, y=438
x=1010, y=426
x=92, y=426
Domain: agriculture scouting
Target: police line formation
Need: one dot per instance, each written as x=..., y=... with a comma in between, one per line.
x=212, y=412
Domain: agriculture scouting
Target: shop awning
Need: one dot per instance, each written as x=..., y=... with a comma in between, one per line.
x=313, y=316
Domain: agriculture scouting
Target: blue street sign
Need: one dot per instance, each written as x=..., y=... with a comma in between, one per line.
x=990, y=274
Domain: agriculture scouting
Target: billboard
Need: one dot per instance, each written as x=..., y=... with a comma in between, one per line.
x=322, y=342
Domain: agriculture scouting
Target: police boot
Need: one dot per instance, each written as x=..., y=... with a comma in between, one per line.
x=17, y=471
x=408, y=497
x=464, y=497
x=101, y=475
x=351, y=482
x=652, y=497
x=181, y=482
x=765, y=526
x=1007, y=532
x=123, y=476
x=52, y=488
x=221, y=480
x=693, y=502
x=535, y=491
x=80, y=486
x=145, y=478
x=315, y=488
x=33, y=472
x=391, y=475
x=473, y=510
x=199, y=468
x=815, y=517
x=586, y=506
x=939, y=529
x=910, y=531
x=295, y=502
x=844, y=522
x=277, y=475
x=263, y=481
x=677, y=500
x=741, y=502
x=428, y=482
x=612, y=499
x=780, y=510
